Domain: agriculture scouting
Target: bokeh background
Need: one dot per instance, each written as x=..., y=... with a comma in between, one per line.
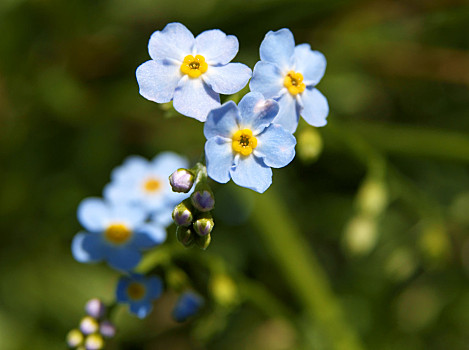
x=360, y=243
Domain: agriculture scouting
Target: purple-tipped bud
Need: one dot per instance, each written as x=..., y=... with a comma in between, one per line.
x=204, y=224
x=203, y=200
x=74, y=338
x=182, y=214
x=95, y=308
x=94, y=342
x=89, y=325
x=181, y=180
x=203, y=241
x=185, y=235
x=107, y=329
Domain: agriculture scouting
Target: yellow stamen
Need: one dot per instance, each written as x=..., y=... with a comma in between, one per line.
x=152, y=185
x=136, y=291
x=243, y=142
x=117, y=233
x=194, y=66
x=294, y=82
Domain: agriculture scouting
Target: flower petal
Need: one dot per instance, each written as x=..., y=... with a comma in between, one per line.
x=251, y=172
x=228, y=79
x=219, y=157
x=315, y=108
x=267, y=79
x=222, y=121
x=87, y=247
x=162, y=217
x=216, y=46
x=93, y=214
x=276, y=146
x=278, y=47
x=154, y=287
x=124, y=259
x=175, y=41
x=256, y=112
x=194, y=98
x=289, y=112
x=311, y=64
x=133, y=166
x=133, y=216
x=141, y=309
x=157, y=80
x=148, y=235
x=166, y=163
x=121, y=290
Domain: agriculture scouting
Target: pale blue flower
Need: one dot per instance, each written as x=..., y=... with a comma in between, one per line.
x=114, y=233
x=191, y=72
x=243, y=143
x=144, y=183
x=139, y=292
x=289, y=74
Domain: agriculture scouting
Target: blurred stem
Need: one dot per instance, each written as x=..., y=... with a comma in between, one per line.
x=301, y=269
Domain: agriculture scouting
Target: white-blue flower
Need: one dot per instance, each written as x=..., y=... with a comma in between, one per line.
x=145, y=183
x=191, y=71
x=243, y=143
x=289, y=74
x=114, y=233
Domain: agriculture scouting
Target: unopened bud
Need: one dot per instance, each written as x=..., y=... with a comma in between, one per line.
x=107, y=329
x=181, y=180
x=185, y=235
x=182, y=214
x=74, y=338
x=94, y=342
x=204, y=224
x=203, y=241
x=95, y=308
x=203, y=200
x=89, y=325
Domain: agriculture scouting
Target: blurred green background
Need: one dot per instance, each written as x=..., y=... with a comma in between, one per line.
x=361, y=245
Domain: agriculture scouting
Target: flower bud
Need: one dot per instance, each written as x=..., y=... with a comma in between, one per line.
x=107, y=329
x=203, y=241
x=185, y=235
x=89, y=325
x=182, y=213
x=74, y=338
x=95, y=308
x=204, y=224
x=203, y=200
x=94, y=342
x=181, y=180
x=187, y=305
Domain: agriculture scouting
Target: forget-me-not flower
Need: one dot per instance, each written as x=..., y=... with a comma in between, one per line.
x=191, y=71
x=188, y=304
x=139, y=292
x=243, y=144
x=289, y=74
x=145, y=183
x=115, y=233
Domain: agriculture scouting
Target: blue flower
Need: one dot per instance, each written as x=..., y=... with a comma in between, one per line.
x=145, y=183
x=115, y=233
x=191, y=71
x=289, y=74
x=139, y=292
x=187, y=305
x=242, y=143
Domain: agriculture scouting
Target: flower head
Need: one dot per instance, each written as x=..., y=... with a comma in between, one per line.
x=289, y=74
x=115, y=233
x=139, y=292
x=243, y=143
x=145, y=183
x=191, y=72
x=188, y=304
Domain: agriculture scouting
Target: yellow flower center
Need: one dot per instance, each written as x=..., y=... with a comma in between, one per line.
x=194, y=66
x=294, y=82
x=243, y=142
x=152, y=185
x=136, y=291
x=117, y=233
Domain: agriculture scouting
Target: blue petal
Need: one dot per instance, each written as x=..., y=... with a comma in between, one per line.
x=175, y=41
x=87, y=247
x=228, y=79
x=311, y=64
x=223, y=121
x=157, y=80
x=141, y=309
x=267, y=79
x=194, y=98
x=256, y=112
x=117, y=193
x=187, y=305
x=93, y=214
x=251, y=172
x=216, y=47
x=166, y=163
x=148, y=235
x=289, y=112
x=124, y=259
x=275, y=146
x=133, y=167
x=132, y=216
x=154, y=287
x=162, y=217
x=277, y=47
x=121, y=290
x=219, y=158
x=315, y=108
